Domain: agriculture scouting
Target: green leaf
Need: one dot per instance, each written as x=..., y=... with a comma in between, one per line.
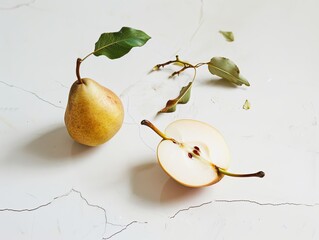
x=182, y=98
x=246, y=105
x=229, y=36
x=225, y=68
x=116, y=44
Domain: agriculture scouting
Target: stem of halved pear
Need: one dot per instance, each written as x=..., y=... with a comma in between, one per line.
x=155, y=129
x=259, y=174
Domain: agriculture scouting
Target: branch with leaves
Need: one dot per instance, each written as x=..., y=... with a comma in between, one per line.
x=219, y=66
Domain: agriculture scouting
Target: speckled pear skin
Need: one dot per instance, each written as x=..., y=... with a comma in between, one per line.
x=94, y=114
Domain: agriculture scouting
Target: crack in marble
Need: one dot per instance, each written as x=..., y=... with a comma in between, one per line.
x=128, y=113
x=200, y=21
x=26, y=4
x=87, y=203
x=93, y=205
x=36, y=208
x=189, y=208
x=123, y=229
x=135, y=122
x=266, y=203
x=55, y=199
x=34, y=94
x=246, y=201
x=62, y=85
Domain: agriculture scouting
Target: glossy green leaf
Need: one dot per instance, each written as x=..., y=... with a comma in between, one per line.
x=116, y=44
x=226, y=69
x=229, y=36
x=182, y=98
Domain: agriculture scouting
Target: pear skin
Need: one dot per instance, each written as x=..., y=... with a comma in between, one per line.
x=94, y=114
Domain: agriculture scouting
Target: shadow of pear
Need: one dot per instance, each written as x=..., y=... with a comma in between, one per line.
x=174, y=191
x=150, y=182
x=55, y=145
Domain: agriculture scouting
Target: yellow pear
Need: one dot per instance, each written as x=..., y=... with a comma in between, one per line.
x=94, y=114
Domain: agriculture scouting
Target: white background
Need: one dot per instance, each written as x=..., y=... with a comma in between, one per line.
x=54, y=188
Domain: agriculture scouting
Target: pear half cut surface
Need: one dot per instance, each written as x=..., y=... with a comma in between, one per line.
x=94, y=114
x=194, y=153
x=180, y=160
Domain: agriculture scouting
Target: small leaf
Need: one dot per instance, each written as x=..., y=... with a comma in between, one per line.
x=116, y=44
x=225, y=68
x=246, y=105
x=187, y=90
x=229, y=36
x=182, y=98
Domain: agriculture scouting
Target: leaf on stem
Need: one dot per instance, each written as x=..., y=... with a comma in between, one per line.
x=229, y=36
x=116, y=44
x=225, y=68
x=182, y=98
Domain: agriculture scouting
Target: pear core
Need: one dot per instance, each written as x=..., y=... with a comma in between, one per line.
x=181, y=160
x=94, y=114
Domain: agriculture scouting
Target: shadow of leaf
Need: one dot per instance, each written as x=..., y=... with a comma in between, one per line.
x=220, y=82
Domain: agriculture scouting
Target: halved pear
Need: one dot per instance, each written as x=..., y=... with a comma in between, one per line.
x=194, y=153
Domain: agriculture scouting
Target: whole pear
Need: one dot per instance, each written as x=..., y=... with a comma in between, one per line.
x=94, y=114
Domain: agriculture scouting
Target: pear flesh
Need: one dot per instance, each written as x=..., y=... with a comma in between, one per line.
x=94, y=114
x=178, y=159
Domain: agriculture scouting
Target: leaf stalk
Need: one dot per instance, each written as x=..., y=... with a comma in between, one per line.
x=185, y=65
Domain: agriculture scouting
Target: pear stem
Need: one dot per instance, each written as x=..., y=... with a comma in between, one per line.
x=155, y=129
x=78, y=63
x=259, y=174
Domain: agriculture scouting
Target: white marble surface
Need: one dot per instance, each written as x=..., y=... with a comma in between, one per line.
x=53, y=188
